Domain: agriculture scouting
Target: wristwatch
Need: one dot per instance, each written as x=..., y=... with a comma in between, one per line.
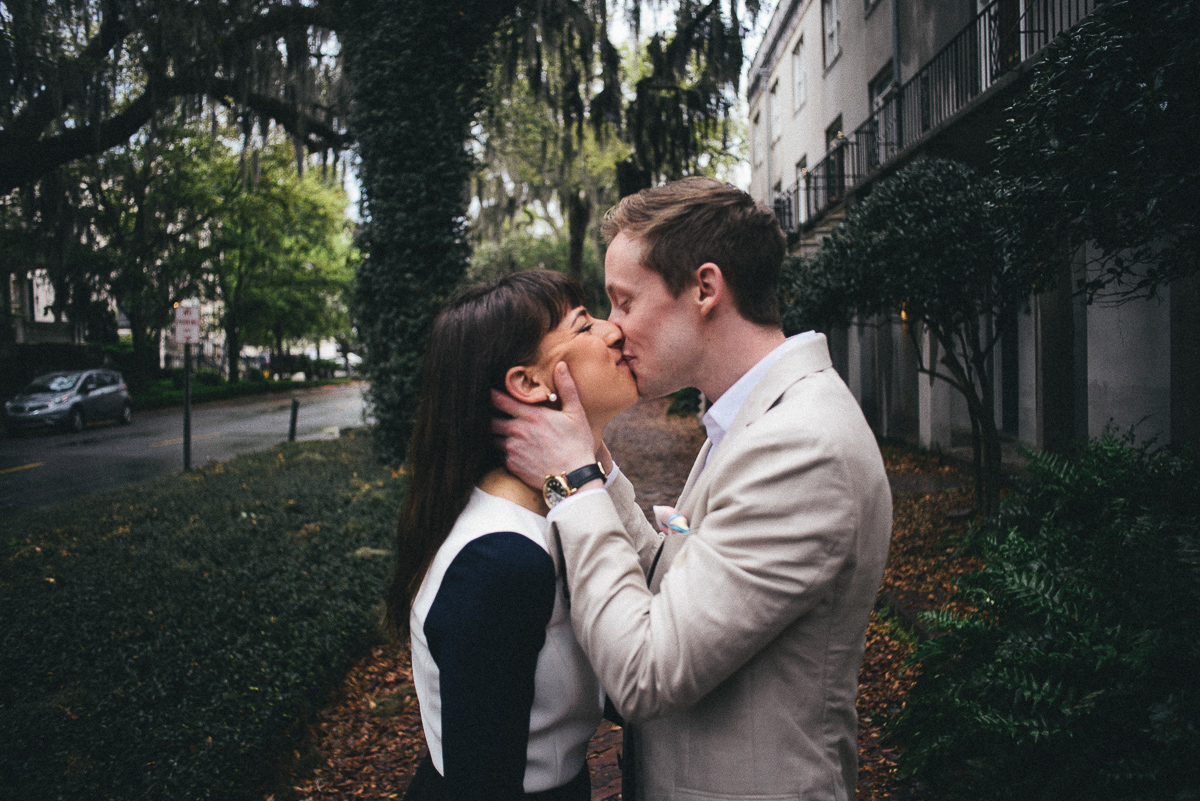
x=560, y=487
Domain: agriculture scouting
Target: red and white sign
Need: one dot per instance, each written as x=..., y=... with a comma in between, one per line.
x=187, y=325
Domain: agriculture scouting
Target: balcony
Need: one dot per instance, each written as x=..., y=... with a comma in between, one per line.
x=992, y=46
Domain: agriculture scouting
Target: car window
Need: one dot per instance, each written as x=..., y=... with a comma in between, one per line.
x=54, y=382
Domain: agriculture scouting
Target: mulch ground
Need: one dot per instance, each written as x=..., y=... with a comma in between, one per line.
x=366, y=744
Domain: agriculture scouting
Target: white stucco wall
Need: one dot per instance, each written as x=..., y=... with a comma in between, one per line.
x=1129, y=367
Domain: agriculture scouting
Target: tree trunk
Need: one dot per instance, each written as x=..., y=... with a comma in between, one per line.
x=233, y=351
x=412, y=119
x=579, y=214
x=145, y=355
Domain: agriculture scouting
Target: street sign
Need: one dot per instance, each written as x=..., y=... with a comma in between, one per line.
x=187, y=325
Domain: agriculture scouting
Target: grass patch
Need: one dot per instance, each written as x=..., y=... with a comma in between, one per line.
x=173, y=640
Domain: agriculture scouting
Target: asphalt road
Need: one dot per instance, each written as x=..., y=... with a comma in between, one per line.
x=43, y=469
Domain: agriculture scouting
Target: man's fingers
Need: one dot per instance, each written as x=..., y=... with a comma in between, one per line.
x=506, y=403
x=566, y=388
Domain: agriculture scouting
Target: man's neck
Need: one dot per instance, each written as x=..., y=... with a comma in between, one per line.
x=734, y=349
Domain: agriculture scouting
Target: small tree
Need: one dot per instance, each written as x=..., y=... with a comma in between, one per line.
x=929, y=241
x=279, y=249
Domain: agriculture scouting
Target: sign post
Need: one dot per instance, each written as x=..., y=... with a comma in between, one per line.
x=187, y=332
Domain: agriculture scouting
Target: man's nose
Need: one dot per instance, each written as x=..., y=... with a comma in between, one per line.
x=610, y=332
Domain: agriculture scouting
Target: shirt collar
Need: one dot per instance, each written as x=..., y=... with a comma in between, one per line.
x=721, y=414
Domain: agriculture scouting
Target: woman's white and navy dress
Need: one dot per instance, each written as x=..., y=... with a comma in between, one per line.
x=508, y=699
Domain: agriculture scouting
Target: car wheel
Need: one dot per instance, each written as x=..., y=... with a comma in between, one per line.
x=126, y=414
x=75, y=420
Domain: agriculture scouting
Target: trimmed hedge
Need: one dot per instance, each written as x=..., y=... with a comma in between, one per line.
x=172, y=641
x=1077, y=676
x=169, y=391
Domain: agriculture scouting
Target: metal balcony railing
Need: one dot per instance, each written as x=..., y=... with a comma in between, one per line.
x=1003, y=35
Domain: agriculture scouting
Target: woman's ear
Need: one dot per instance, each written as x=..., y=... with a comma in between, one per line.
x=522, y=383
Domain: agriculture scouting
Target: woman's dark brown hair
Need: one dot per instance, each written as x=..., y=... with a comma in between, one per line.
x=483, y=332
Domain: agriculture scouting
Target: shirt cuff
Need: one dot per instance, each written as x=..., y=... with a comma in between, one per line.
x=612, y=475
x=558, y=507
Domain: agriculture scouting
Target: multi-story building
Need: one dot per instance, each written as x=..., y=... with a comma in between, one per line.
x=844, y=92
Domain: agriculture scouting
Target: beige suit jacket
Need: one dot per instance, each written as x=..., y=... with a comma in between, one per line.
x=740, y=662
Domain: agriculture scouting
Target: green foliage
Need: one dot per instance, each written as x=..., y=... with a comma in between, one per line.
x=684, y=402
x=930, y=239
x=281, y=260
x=152, y=204
x=81, y=77
x=516, y=251
x=1075, y=679
x=814, y=294
x=681, y=102
x=1103, y=147
x=173, y=641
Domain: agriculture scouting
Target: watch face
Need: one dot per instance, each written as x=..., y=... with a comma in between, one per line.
x=554, y=490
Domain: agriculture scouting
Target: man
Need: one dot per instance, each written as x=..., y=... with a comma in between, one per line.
x=734, y=648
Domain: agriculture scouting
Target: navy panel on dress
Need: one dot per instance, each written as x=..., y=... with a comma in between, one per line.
x=485, y=629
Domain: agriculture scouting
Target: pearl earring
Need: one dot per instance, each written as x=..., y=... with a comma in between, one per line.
x=552, y=397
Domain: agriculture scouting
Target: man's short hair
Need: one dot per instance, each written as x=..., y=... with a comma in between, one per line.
x=697, y=220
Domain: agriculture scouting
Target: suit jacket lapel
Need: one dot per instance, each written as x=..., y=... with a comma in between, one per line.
x=805, y=358
x=697, y=467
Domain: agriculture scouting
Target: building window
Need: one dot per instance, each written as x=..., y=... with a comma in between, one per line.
x=880, y=86
x=757, y=143
x=802, y=200
x=773, y=107
x=831, y=24
x=834, y=177
x=799, y=84
x=881, y=134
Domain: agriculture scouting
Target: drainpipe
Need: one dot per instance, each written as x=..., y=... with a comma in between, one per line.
x=896, y=42
x=764, y=75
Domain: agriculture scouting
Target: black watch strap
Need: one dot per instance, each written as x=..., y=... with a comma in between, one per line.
x=577, y=478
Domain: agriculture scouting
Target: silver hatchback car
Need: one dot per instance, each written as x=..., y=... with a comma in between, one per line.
x=69, y=399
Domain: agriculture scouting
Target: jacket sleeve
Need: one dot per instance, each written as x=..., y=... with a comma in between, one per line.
x=485, y=629
x=644, y=537
x=778, y=527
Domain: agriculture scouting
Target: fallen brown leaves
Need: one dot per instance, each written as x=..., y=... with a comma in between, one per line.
x=925, y=563
x=367, y=743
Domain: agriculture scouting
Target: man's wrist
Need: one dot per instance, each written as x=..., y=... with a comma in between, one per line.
x=558, y=487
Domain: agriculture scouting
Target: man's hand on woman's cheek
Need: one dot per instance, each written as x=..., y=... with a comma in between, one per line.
x=539, y=441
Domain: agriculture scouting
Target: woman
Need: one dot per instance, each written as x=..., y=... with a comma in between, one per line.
x=508, y=700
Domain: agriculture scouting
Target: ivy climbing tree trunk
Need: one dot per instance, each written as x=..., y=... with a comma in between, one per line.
x=418, y=68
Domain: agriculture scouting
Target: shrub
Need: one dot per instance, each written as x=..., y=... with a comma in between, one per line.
x=171, y=641
x=1076, y=677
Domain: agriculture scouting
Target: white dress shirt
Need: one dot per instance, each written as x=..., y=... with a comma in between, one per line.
x=721, y=414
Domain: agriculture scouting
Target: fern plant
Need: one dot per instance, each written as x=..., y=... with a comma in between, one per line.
x=1077, y=676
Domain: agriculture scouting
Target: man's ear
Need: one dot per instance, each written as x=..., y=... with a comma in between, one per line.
x=522, y=383
x=710, y=287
